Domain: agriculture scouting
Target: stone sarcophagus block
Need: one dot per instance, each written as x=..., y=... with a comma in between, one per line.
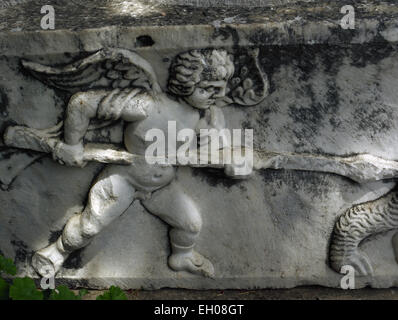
x=104, y=118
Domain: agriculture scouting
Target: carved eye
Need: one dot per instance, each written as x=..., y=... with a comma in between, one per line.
x=210, y=90
x=202, y=91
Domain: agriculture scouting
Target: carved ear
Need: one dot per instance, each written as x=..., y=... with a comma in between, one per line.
x=249, y=85
x=107, y=68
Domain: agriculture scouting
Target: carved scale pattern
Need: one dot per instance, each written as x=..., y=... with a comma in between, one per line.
x=358, y=223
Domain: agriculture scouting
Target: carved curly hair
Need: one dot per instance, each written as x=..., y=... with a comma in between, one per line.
x=190, y=68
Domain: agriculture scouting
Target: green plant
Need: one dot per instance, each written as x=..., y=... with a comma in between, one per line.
x=7, y=267
x=64, y=293
x=21, y=288
x=114, y=293
x=25, y=288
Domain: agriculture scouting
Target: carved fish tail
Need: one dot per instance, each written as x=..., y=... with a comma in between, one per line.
x=359, y=223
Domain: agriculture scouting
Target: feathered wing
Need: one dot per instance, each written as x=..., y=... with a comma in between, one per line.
x=107, y=68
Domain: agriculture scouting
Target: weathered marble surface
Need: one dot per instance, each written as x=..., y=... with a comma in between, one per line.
x=333, y=93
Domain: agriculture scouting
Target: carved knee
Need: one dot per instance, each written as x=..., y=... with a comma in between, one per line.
x=185, y=234
x=195, y=222
x=71, y=237
x=90, y=227
x=189, y=216
x=192, y=221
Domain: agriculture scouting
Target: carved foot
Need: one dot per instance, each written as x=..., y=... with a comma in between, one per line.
x=357, y=259
x=192, y=262
x=48, y=261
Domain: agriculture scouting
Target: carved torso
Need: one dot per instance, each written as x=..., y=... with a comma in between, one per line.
x=160, y=111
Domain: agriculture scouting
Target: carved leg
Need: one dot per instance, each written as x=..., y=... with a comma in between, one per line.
x=178, y=210
x=355, y=225
x=109, y=197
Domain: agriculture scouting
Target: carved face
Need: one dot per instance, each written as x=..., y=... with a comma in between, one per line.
x=206, y=93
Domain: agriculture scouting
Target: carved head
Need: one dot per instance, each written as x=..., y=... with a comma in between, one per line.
x=201, y=76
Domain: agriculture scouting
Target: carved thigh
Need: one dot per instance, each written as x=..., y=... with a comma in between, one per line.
x=110, y=196
x=175, y=207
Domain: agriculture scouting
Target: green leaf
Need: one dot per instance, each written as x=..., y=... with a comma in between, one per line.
x=114, y=293
x=7, y=266
x=83, y=292
x=4, y=290
x=63, y=293
x=24, y=289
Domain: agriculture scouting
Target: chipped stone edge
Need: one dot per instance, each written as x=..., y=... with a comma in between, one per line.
x=172, y=37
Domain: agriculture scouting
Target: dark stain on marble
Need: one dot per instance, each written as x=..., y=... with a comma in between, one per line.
x=54, y=235
x=144, y=41
x=22, y=253
x=3, y=103
x=215, y=177
x=74, y=261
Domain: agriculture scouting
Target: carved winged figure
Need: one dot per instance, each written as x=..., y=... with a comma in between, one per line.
x=117, y=84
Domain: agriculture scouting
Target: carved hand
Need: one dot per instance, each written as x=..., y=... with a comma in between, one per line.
x=213, y=119
x=241, y=166
x=69, y=155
